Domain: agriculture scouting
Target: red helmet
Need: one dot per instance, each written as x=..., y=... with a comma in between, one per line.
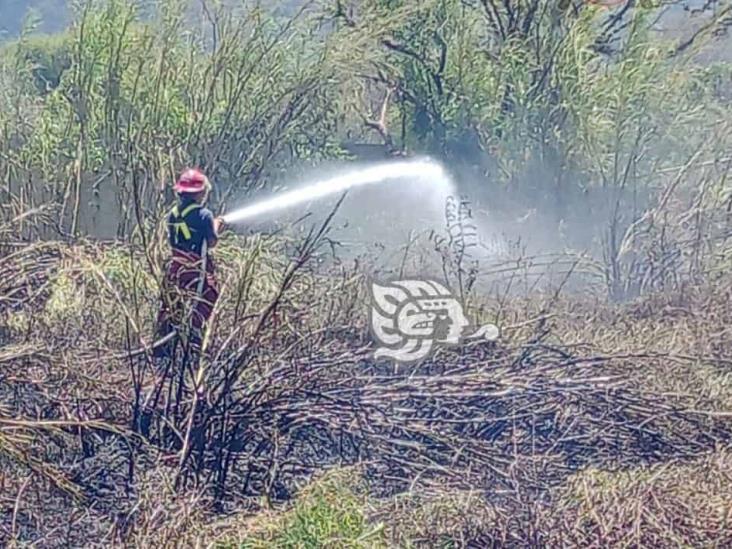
x=192, y=181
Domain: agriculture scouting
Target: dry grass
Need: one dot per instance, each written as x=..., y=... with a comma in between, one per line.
x=669, y=505
x=507, y=444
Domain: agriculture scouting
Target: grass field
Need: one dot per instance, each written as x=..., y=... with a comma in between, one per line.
x=587, y=423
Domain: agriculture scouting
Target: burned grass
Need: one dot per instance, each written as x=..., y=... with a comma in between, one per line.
x=582, y=420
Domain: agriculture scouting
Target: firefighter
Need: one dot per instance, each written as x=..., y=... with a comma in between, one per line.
x=190, y=289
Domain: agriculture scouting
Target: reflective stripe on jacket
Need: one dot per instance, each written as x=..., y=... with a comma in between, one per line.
x=179, y=226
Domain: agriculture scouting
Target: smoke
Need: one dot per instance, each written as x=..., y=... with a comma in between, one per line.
x=393, y=218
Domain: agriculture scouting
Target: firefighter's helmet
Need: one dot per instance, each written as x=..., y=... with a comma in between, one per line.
x=192, y=181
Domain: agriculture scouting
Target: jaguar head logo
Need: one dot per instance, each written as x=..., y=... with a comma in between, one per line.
x=410, y=317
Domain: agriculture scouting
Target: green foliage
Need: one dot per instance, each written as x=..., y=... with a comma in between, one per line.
x=543, y=93
x=133, y=100
x=548, y=102
x=67, y=299
x=245, y=90
x=48, y=57
x=329, y=513
x=125, y=271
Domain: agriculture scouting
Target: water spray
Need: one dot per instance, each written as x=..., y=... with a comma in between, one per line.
x=427, y=171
